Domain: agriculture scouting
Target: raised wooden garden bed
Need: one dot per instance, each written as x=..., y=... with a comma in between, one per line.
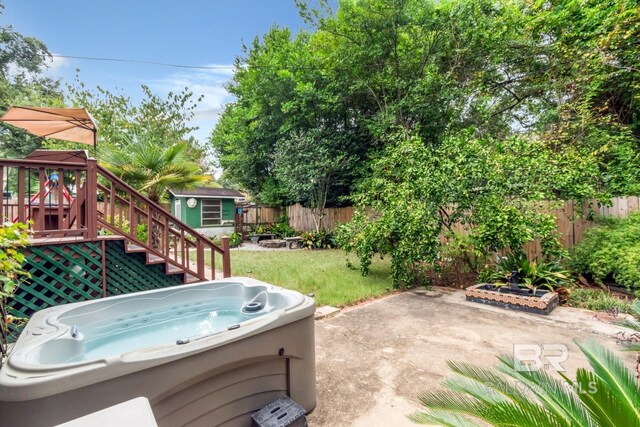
x=523, y=299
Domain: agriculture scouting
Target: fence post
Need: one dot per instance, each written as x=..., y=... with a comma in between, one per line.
x=226, y=257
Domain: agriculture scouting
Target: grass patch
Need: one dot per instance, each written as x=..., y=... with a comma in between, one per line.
x=598, y=300
x=322, y=272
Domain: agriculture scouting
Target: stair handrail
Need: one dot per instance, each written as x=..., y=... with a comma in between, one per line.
x=201, y=240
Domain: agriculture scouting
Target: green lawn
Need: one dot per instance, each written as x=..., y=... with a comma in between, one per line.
x=322, y=272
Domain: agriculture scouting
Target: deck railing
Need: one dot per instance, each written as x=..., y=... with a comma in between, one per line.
x=127, y=212
x=60, y=200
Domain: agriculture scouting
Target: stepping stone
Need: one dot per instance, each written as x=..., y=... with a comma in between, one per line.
x=325, y=312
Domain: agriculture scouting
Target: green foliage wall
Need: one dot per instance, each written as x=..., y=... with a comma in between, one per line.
x=610, y=252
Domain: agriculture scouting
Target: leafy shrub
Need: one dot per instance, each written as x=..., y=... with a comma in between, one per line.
x=531, y=274
x=610, y=252
x=141, y=231
x=259, y=229
x=459, y=252
x=317, y=240
x=280, y=228
x=235, y=239
x=12, y=237
x=597, y=300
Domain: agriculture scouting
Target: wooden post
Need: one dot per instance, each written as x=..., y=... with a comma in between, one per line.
x=200, y=259
x=78, y=203
x=150, y=227
x=185, y=261
x=213, y=264
x=21, y=195
x=61, y=200
x=91, y=199
x=2, y=195
x=166, y=250
x=133, y=217
x=226, y=257
x=112, y=201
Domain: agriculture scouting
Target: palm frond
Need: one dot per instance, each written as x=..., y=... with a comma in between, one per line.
x=612, y=372
x=490, y=378
x=629, y=323
x=604, y=406
x=480, y=391
x=555, y=395
x=501, y=414
x=443, y=418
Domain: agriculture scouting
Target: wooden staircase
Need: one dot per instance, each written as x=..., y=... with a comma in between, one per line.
x=169, y=269
x=103, y=207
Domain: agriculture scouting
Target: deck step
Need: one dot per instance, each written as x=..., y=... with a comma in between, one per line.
x=172, y=269
x=190, y=278
x=154, y=259
x=132, y=247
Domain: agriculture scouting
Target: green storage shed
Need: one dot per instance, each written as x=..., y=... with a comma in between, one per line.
x=209, y=210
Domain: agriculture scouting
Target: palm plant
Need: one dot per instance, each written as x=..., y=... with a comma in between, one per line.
x=606, y=395
x=151, y=165
x=532, y=274
x=633, y=341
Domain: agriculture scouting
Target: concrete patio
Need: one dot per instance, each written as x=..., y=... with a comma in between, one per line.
x=373, y=360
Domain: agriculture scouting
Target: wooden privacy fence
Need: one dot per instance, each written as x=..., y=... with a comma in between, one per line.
x=301, y=218
x=256, y=214
x=571, y=226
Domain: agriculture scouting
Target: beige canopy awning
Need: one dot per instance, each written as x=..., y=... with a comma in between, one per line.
x=69, y=124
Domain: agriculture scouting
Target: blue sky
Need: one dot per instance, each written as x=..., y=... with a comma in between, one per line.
x=190, y=32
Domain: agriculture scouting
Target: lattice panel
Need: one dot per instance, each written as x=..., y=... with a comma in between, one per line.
x=59, y=274
x=128, y=273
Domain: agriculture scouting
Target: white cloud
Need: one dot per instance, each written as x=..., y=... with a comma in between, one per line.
x=210, y=84
x=57, y=62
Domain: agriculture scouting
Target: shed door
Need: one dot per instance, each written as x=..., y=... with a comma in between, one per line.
x=177, y=209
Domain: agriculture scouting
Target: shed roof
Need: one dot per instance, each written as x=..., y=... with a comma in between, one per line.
x=223, y=193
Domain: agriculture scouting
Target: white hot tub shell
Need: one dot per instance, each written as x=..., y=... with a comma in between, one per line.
x=218, y=377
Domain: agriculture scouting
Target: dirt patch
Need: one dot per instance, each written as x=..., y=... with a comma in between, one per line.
x=452, y=279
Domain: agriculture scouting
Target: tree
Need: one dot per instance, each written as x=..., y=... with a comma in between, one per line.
x=498, y=189
x=244, y=140
x=22, y=59
x=453, y=112
x=148, y=164
x=373, y=66
x=164, y=120
x=310, y=166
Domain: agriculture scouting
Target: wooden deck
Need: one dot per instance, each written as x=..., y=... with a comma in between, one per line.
x=57, y=192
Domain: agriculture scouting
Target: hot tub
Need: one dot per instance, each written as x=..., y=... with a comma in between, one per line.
x=203, y=354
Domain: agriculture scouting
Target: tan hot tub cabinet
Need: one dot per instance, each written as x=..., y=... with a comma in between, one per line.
x=218, y=380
